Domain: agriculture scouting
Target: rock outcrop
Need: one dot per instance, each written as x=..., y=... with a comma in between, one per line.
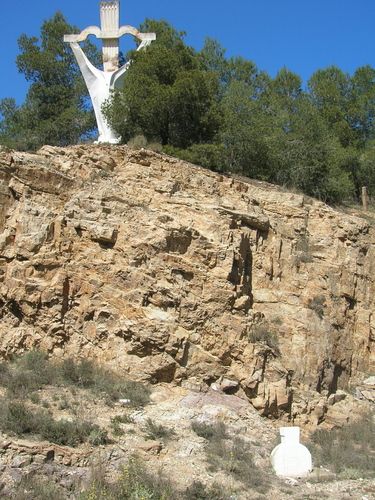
x=172, y=273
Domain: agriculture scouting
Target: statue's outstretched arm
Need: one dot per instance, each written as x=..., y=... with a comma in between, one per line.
x=89, y=72
x=118, y=75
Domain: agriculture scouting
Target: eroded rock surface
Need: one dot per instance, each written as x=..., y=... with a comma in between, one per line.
x=177, y=274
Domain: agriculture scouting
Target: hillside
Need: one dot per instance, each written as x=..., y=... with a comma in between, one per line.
x=174, y=275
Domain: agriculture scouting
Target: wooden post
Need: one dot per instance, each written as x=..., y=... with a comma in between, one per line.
x=365, y=198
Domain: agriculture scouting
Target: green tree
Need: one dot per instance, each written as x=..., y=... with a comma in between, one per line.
x=56, y=110
x=245, y=133
x=212, y=58
x=330, y=90
x=308, y=154
x=362, y=105
x=166, y=95
x=366, y=168
x=347, y=103
x=281, y=137
x=11, y=123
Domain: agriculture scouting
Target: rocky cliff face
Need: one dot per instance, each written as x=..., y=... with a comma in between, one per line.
x=176, y=274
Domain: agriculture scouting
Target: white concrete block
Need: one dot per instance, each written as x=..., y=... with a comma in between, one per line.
x=290, y=458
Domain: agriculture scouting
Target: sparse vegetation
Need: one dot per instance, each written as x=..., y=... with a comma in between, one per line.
x=231, y=455
x=303, y=251
x=34, y=398
x=140, y=141
x=135, y=483
x=116, y=428
x=63, y=404
x=157, y=431
x=86, y=374
x=97, y=436
x=234, y=457
x=209, y=431
x=33, y=371
x=317, y=304
x=117, y=421
x=124, y=419
x=277, y=321
x=155, y=146
x=137, y=142
x=37, y=488
x=18, y=418
x=263, y=333
x=24, y=376
x=350, y=451
x=198, y=491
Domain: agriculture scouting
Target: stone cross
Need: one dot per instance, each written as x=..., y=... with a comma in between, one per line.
x=100, y=84
x=110, y=22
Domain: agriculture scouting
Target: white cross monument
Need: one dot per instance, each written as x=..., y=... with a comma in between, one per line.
x=101, y=83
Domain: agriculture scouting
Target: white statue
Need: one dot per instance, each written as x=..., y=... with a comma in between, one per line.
x=290, y=458
x=101, y=83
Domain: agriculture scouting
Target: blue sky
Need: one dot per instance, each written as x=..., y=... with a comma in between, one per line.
x=302, y=35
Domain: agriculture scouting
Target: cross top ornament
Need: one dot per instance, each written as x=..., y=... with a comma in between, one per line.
x=100, y=83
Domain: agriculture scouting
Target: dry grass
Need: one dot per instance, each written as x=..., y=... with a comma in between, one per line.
x=37, y=488
x=23, y=412
x=134, y=483
x=231, y=455
x=34, y=370
x=18, y=418
x=317, y=304
x=263, y=333
x=348, y=452
x=157, y=431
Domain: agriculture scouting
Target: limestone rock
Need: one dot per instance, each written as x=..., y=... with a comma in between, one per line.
x=151, y=447
x=336, y=397
x=366, y=390
x=370, y=381
x=21, y=461
x=162, y=270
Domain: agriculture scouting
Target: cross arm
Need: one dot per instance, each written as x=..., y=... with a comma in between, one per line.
x=81, y=37
x=96, y=31
x=130, y=30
